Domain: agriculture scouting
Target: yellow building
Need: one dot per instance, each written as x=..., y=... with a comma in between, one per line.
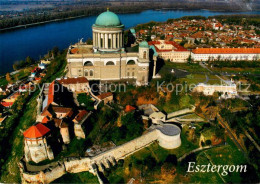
x=170, y=50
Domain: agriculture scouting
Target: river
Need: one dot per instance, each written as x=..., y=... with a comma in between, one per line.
x=36, y=41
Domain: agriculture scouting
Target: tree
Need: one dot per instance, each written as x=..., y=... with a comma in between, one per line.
x=162, y=37
x=89, y=41
x=9, y=78
x=29, y=60
x=55, y=51
x=208, y=142
x=85, y=100
x=198, y=109
x=190, y=60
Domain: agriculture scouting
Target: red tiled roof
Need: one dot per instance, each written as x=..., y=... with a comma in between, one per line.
x=81, y=115
x=178, y=48
x=7, y=104
x=129, y=108
x=68, y=111
x=104, y=95
x=74, y=51
x=36, y=131
x=51, y=93
x=45, y=119
x=73, y=80
x=57, y=122
x=226, y=51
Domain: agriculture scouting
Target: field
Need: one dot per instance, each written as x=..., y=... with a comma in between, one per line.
x=224, y=155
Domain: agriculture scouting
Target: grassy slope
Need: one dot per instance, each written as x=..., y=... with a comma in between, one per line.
x=12, y=173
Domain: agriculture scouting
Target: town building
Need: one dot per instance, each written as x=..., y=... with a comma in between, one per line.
x=79, y=126
x=107, y=59
x=227, y=91
x=79, y=84
x=232, y=54
x=170, y=50
x=106, y=97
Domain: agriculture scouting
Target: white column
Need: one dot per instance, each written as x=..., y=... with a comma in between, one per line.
x=114, y=40
x=103, y=41
x=120, y=34
x=117, y=35
x=106, y=40
x=94, y=39
x=98, y=40
x=154, y=67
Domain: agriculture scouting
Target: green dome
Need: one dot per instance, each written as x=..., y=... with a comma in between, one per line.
x=108, y=19
x=144, y=44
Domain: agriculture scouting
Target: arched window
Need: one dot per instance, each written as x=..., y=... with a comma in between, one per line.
x=133, y=74
x=86, y=73
x=144, y=56
x=128, y=74
x=88, y=63
x=91, y=73
x=110, y=63
x=131, y=62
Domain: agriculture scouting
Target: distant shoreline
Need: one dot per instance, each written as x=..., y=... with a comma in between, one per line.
x=81, y=16
x=40, y=23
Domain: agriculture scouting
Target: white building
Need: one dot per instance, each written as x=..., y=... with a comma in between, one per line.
x=233, y=54
x=228, y=91
x=170, y=50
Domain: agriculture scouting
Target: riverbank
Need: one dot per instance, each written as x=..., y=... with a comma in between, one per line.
x=118, y=9
x=35, y=41
x=39, y=23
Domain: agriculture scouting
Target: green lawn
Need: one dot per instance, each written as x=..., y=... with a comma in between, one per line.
x=83, y=177
x=11, y=172
x=192, y=68
x=224, y=155
x=159, y=154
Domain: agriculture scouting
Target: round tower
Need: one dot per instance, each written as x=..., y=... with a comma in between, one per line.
x=35, y=143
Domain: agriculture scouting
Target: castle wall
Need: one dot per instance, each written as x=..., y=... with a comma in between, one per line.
x=168, y=142
x=75, y=165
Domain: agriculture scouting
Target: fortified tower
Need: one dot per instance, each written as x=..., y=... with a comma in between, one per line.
x=35, y=143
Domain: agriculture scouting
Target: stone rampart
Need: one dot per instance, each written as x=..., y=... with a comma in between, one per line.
x=81, y=164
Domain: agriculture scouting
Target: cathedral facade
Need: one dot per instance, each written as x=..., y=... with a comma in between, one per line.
x=107, y=59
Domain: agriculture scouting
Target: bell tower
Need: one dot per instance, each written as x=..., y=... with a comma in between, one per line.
x=143, y=64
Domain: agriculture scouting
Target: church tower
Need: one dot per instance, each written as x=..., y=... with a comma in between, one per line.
x=143, y=64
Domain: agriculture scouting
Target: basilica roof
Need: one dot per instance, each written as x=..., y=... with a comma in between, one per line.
x=108, y=19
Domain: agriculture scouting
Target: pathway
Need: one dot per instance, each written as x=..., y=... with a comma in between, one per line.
x=198, y=149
